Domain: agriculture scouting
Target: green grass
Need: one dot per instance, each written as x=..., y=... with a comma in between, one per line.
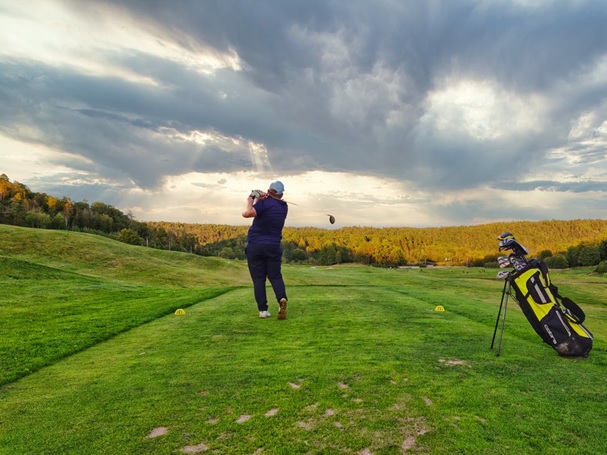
x=94, y=358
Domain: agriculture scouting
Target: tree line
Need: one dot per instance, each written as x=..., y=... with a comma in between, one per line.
x=560, y=244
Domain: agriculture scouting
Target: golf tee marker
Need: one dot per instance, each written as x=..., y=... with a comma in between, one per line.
x=180, y=312
x=440, y=308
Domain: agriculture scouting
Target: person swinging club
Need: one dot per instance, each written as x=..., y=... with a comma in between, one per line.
x=264, y=250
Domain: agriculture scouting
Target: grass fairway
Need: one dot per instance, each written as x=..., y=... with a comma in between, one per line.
x=94, y=360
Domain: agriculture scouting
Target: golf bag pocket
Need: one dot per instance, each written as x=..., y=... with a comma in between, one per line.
x=539, y=293
x=556, y=325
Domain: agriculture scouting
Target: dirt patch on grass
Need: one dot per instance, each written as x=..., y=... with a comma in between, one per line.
x=202, y=447
x=415, y=428
x=311, y=407
x=243, y=418
x=454, y=362
x=160, y=431
x=307, y=425
x=409, y=443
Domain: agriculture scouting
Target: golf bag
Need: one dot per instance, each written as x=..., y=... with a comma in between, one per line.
x=556, y=319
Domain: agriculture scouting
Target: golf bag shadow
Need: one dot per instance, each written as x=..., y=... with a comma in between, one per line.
x=556, y=319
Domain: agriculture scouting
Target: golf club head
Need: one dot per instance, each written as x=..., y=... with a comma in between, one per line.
x=518, y=262
x=331, y=219
x=502, y=274
x=503, y=261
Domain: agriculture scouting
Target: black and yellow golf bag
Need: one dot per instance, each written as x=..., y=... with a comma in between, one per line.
x=556, y=319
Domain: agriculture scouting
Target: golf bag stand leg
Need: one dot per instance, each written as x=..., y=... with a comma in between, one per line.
x=504, y=303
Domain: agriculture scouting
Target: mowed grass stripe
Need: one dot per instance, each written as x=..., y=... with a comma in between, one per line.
x=47, y=314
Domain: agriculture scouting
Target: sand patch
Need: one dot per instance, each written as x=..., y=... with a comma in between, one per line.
x=427, y=400
x=294, y=386
x=271, y=412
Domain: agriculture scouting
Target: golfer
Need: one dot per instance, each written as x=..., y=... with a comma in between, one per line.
x=263, y=250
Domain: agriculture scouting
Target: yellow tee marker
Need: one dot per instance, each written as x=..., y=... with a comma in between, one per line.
x=439, y=308
x=180, y=312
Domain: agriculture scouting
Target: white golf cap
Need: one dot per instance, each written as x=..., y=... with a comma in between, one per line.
x=277, y=186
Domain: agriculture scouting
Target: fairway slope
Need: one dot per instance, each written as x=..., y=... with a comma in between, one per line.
x=93, y=255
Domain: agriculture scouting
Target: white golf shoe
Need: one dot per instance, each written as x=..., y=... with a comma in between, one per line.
x=264, y=314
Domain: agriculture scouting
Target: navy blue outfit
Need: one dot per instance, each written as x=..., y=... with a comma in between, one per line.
x=264, y=251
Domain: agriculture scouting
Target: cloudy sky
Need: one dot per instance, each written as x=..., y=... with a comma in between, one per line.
x=381, y=112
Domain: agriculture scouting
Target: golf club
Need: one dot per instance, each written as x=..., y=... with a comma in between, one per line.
x=256, y=194
x=331, y=217
x=502, y=274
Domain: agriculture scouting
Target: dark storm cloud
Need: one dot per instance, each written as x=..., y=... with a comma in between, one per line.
x=330, y=85
x=117, y=125
x=529, y=49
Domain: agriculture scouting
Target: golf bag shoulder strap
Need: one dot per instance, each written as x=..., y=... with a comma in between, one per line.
x=571, y=308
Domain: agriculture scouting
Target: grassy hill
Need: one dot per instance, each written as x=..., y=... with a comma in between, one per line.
x=95, y=361
x=95, y=256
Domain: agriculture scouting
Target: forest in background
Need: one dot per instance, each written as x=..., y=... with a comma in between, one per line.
x=559, y=243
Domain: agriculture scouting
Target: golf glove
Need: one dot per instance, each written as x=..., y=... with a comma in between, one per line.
x=256, y=194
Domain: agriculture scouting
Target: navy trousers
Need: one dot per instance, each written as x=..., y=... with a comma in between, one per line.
x=264, y=263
